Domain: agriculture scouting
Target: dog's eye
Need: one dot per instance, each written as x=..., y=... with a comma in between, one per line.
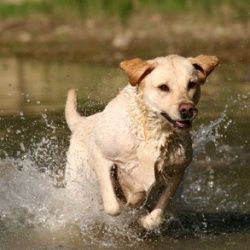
x=191, y=85
x=164, y=88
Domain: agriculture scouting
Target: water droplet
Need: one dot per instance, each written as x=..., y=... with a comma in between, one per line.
x=211, y=184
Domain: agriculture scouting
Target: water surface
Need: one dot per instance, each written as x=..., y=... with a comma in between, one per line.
x=210, y=211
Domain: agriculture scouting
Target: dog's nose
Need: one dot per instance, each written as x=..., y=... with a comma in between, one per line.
x=186, y=110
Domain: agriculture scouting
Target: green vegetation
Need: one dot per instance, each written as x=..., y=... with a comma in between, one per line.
x=121, y=8
x=24, y=9
x=108, y=29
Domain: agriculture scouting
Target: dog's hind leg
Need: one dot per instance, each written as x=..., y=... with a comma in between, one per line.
x=76, y=172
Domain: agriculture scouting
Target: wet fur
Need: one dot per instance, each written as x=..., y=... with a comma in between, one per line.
x=131, y=136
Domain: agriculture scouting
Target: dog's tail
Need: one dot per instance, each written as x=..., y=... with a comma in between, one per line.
x=71, y=114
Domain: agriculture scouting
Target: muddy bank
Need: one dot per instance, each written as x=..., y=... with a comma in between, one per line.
x=108, y=40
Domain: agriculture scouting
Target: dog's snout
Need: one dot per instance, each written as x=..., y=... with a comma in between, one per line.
x=186, y=110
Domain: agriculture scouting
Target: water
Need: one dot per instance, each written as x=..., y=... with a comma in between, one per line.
x=210, y=211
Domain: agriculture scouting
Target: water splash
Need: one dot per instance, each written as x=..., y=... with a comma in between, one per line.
x=30, y=199
x=210, y=133
x=214, y=179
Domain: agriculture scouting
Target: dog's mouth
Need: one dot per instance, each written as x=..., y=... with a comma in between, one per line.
x=180, y=124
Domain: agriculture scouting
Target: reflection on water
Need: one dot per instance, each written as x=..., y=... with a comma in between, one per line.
x=32, y=86
x=211, y=209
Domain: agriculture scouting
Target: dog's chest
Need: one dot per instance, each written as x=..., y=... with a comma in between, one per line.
x=166, y=154
x=169, y=153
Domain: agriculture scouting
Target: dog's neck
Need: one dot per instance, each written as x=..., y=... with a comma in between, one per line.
x=146, y=124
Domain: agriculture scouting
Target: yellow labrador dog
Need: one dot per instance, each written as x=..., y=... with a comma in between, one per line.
x=143, y=133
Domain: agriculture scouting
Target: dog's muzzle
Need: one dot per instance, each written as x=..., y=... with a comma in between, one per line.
x=181, y=124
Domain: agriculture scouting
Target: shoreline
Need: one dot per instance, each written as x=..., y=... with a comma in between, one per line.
x=109, y=40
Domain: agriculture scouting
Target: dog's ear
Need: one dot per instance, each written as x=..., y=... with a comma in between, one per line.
x=205, y=64
x=136, y=69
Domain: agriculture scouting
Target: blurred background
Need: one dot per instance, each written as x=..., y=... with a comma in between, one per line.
x=109, y=30
x=48, y=46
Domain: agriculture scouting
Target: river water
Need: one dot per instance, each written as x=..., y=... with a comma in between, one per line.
x=211, y=209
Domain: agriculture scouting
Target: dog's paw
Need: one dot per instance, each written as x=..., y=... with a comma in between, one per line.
x=152, y=220
x=113, y=209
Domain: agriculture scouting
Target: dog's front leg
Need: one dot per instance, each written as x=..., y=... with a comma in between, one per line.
x=155, y=217
x=103, y=172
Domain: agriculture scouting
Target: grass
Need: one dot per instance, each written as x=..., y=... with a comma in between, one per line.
x=119, y=8
x=24, y=9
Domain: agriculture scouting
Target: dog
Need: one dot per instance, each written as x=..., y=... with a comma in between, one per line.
x=143, y=133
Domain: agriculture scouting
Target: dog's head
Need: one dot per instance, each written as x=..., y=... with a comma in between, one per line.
x=171, y=84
